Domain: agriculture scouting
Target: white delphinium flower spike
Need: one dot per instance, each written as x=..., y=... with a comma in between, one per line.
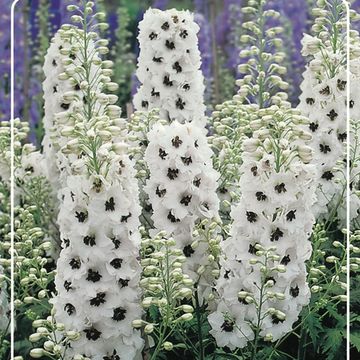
x=169, y=66
x=182, y=183
x=98, y=270
x=262, y=285
x=324, y=101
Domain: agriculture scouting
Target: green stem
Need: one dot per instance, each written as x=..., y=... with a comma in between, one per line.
x=302, y=348
x=198, y=323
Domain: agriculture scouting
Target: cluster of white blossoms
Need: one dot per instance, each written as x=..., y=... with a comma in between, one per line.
x=324, y=101
x=182, y=183
x=66, y=88
x=98, y=270
x=262, y=286
x=169, y=66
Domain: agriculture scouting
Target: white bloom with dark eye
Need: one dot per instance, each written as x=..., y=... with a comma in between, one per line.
x=324, y=101
x=229, y=327
x=98, y=271
x=182, y=185
x=169, y=66
x=268, y=245
x=61, y=98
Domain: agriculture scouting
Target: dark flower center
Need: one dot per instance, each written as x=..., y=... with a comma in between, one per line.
x=186, y=200
x=89, y=240
x=114, y=356
x=276, y=235
x=183, y=34
x=341, y=84
x=188, y=250
x=124, y=282
x=313, y=126
x=332, y=115
x=260, y=196
x=67, y=285
x=310, y=101
x=327, y=175
x=197, y=182
x=116, y=242
x=93, y=276
x=294, y=291
x=176, y=141
x=252, y=249
x=186, y=160
x=251, y=216
x=172, y=218
x=280, y=188
x=81, y=216
x=92, y=334
x=75, y=263
x=325, y=91
x=177, y=67
x=167, y=81
x=116, y=263
x=172, y=174
x=227, y=326
x=162, y=154
x=170, y=45
x=285, y=260
x=290, y=216
x=180, y=104
x=119, y=314
x=152, y=36
x=98, y=300
x=160, y=193
x=165, y=26
x=342, y=137
x=125, y=218
x=69, y=308
x=155, y=93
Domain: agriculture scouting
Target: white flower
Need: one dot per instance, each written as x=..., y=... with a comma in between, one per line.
x=229, y=327
x=169, y=66
x=264, y=257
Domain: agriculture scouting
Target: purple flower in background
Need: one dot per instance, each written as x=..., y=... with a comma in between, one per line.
x=20, y=34
x=204, y=37
x=160, y=4
x=5, y=63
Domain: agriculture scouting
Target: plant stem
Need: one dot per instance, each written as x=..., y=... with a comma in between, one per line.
x=302, y=348
x=198, y=323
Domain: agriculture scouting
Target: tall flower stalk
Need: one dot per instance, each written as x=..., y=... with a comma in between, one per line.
x=182, y=182
x=98, y=271
x=263, y=281
x=181, y=187
x=324, y=101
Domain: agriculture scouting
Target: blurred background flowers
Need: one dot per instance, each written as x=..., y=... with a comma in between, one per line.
x=219, y=39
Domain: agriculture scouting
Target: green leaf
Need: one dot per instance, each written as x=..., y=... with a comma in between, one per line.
x=332, y=343
x=355, y=340
x=314, y=328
